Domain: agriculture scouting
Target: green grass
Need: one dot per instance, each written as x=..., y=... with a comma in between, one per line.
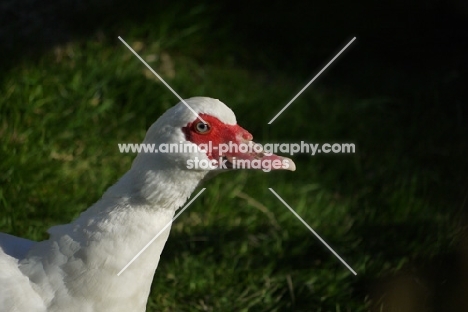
x=237, y=248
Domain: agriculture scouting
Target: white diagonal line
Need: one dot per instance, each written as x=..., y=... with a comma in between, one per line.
x=160, y=78
x=159, y=233
x=313, y=232
x=313, y=79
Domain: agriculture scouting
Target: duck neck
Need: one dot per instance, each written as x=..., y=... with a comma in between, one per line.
x=92, y=250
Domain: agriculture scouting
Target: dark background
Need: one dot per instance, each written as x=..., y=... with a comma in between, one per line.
x=409, y=60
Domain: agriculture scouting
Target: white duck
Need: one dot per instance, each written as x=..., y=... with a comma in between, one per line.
x=76, y=268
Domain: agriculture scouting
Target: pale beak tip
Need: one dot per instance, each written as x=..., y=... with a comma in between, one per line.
x=291, y=164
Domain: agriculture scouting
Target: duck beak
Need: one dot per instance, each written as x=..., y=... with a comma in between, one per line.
x=250, y=155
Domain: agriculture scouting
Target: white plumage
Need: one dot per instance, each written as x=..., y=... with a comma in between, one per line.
x=76, y=268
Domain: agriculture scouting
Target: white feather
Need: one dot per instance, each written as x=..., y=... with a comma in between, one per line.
x=76, y=268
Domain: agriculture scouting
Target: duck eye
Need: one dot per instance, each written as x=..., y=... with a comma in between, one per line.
x=202, y=127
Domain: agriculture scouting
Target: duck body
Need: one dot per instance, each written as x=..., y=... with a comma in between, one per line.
x=77, y=268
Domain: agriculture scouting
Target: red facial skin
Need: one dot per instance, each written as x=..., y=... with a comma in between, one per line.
x=219, y=133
